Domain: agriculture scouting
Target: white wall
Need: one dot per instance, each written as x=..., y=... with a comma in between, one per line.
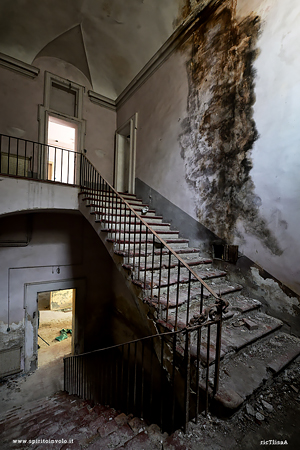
x=162, y=105
x=21, y=95
x=62, y=250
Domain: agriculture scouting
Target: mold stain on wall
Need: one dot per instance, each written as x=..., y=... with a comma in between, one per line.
x=219, y=132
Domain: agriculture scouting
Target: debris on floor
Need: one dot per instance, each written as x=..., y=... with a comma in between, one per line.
x=63, y=334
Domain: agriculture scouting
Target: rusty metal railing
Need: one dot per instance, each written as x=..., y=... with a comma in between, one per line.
x=23, y=158
x=166, y=279
x=167, y=282
x=156, y=378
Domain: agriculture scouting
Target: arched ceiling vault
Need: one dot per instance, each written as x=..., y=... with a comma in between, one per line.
x=110, y=41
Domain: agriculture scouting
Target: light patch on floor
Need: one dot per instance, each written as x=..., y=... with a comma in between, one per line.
x=51, y=322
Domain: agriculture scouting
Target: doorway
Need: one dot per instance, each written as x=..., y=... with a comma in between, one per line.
x=55, y=318
x=62, y=141
x=125, y=156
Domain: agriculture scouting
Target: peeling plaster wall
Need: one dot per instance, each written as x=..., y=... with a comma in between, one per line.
x=218, y=134
x=20, y=97
x=61, y=247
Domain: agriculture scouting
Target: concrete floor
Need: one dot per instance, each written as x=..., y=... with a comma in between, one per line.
x=48, y=378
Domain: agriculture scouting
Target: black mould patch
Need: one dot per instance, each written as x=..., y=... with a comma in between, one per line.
x=220, y=130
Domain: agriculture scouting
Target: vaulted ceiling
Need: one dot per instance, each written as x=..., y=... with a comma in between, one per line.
x=110, y=41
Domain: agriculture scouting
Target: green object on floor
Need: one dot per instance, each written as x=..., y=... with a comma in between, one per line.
x=63, y=334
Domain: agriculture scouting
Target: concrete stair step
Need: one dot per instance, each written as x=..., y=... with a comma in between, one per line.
x=135, y=236
x=234, y=338
x=195, y=293
x=117, y=226
x=170, y=277
x=112, y=210
x=111, y=214
x=193, y=263
x=176, y=243
x=243, y=374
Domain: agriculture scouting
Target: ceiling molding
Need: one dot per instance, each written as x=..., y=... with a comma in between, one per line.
x=180, y=35
x=18, y=66
x=101, y=100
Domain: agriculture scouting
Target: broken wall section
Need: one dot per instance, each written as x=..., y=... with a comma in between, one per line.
x=217, y=135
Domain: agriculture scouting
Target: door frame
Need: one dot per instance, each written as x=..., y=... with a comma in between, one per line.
x=31, y=291
x=131, y=126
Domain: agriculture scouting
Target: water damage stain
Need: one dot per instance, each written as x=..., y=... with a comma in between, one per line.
x=219, y=131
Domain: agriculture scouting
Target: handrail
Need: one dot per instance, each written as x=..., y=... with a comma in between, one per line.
x=159, y=238
x=157, y=377
x=24, y=158
x=111, y=203
x=39, y=143
x=168, y=333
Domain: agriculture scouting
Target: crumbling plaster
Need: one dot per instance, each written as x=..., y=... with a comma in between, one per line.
x=262, y=204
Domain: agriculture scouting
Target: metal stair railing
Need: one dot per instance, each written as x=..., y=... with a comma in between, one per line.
x=22, y=158
x=140, y=244
x=154, y=378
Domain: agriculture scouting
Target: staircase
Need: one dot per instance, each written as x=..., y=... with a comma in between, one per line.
x=252, y=342
x=210, y=340
x=75, y=424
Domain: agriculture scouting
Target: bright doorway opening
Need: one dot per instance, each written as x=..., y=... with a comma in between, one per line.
x=55, y=309
x=62, y=141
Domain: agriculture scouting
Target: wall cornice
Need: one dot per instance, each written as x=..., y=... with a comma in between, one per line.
x=102, y=100
x=180, y=35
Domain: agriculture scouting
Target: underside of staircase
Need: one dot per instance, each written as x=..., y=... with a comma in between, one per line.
x=253, y=346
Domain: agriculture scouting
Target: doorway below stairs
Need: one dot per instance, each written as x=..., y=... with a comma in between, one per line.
x=55, y=315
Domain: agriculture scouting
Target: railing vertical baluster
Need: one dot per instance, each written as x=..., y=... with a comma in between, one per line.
x=168, y=287
x=146, y=255
x=8, y=155
x=129, y=233
x=1, y=153
x=218, y=355
x=54, y=165
x=25, y=160
x=128, y=378
x=173, y=381
x=151, y=375
x=140, y=250
x=152, y=263
x=188, y=299
x=201, y=300
x=198, y=369
x=135, y=378
x=17, y=165
x=187, y=379
x=122, y=378
x=68, y=169
x=120, y=220
x=159, y=275
x=142, y=380
x=207, y=369
x=177, y=294
x=161, y=381
x=134, y=243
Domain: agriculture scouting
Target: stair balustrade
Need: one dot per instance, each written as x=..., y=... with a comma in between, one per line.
x=165, y=280
x=154, y=378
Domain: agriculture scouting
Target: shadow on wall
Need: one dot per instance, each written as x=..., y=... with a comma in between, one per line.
x=219, y=131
